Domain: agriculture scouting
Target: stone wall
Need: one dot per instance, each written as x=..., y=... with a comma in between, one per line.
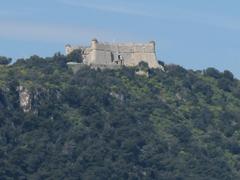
x=128, y=54
x=126, y=48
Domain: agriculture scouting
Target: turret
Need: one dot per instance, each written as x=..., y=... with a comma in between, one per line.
x=153, y=44
x=68, y=49
x=94, y=43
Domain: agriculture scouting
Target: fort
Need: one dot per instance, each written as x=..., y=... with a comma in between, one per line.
x=112, y=55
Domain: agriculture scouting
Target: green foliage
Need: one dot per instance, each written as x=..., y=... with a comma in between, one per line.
x=228, y=75
x=161, y=63
x=114, y=124
x=4, y=60
x=212, y=72
x=143, y=65
x=75, y=56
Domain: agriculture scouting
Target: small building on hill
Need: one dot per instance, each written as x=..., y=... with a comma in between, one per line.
x=111, y=55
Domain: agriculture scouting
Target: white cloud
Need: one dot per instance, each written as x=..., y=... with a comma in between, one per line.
x=153, y=10
x=48, y=32
x=128, y=9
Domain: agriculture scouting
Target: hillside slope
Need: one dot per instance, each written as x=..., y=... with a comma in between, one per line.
x=114, y=124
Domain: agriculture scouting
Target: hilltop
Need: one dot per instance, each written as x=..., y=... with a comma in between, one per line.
x=116, y=124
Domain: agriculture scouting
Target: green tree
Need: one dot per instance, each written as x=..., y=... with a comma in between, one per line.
x=75, y=56
x=4, y=60
x=212, y=72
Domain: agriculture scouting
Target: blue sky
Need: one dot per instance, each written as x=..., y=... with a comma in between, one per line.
x=194, y=34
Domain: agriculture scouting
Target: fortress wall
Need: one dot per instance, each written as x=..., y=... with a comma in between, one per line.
x=150, y=58
x=131, y=53
x=101, y=53
x=126, y=48
x=126, y=56
x=100, y=57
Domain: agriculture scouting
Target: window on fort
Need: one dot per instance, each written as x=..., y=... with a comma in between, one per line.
x=120, y=57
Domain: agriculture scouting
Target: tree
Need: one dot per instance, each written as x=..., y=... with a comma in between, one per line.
x=176, y=124
x=143, y=66
x=75, y=56
x=212, y=72
x=4, y=60
x=161, y=63
x=228, y=75
x=225, y=84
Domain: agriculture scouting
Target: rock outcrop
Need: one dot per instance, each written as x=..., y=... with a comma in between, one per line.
x=25, y=99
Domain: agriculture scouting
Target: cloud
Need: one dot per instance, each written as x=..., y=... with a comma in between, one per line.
x=128, y=9
x=155, y=11
x=48, y=32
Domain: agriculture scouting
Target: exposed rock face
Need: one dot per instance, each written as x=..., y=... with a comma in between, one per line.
x=24, y=99
x=142, y=73
x=117, y=96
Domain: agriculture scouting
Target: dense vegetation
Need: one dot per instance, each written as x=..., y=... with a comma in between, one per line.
x=4, y=60
x=113, y=124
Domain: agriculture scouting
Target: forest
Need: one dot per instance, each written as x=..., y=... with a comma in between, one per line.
x=99, y=124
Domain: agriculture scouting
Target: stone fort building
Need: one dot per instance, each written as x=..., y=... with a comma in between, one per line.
x=119, y=54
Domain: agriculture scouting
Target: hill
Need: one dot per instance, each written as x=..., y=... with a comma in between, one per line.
x=115, y=124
